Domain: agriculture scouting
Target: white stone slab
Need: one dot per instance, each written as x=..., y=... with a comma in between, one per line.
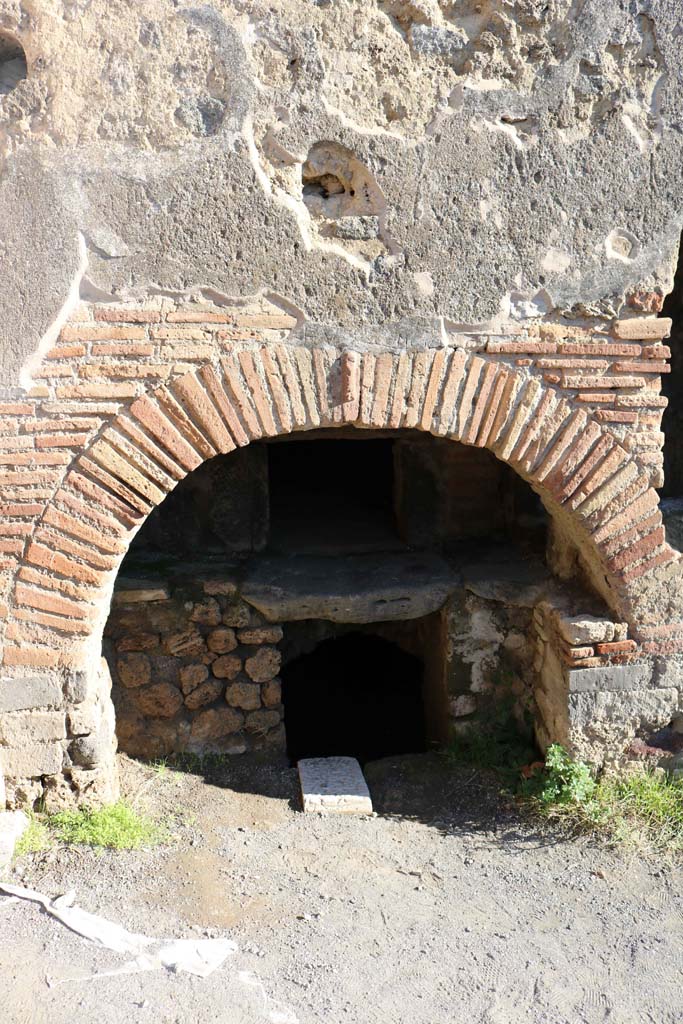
x=335, y=785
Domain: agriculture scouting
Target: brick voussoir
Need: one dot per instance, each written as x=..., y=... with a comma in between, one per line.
x=195, y=400
x=152, y=418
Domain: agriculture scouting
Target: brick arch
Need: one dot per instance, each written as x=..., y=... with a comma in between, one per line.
x=584, y=476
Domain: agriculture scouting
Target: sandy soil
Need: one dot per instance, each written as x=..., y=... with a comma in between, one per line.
x=447, y=906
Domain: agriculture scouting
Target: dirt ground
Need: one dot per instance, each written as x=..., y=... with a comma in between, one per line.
x=447, y=906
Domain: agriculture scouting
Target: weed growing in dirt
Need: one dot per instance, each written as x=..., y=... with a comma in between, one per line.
x=501, y=745
x=643, y=809
x=117, y=827
x=35, y=838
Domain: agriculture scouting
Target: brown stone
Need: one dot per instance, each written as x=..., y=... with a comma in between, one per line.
x=242, y=694
x=137, y=642
x=228, y=666
x=162, y=700
x=206, y=613
x=205, y=693
x=237, y=616
x=187, y=644
x=134, y=669
x=264, y=665
x=262, y=721
x=260, y=635
x=221, y=640
x=271, y=692
x=216, y=723
x=192, y=676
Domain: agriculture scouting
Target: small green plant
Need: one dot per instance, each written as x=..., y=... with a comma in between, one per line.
x=565, y=781
x=116, y=827
x=643, y=808
x=34, y=839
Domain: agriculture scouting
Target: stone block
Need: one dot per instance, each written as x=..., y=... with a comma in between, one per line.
x=221, y=640
x=205, y=693
x=134, y=669
x=244, y=695
x=260, y=635
x=161, y=700
x=32, y=759
x=214, y=724
x=19, y=727
x=25, y=692
x=603, y=724
x=271, y=693
x=264, y=665
x=636, y=676
x=191, y=676
x=261, y=721
x=228, y=666
x=138, y=592
x=207, y=612
x=585, y=629
x=335, y=785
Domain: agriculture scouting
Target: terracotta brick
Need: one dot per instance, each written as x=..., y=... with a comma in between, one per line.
x=367, y=381
x=122, y=470
x=54, y=561
x=226, y=410
x=197, y=403
x=642, y=366
x=39, y=391
x=617, y=647
x=592, y=381
x=11, y=547
x=69, y=546
x=602, y=495
x=52, y=621
x=34, y=657
x=27, y=478
x=8, y=444
x=661, y=558
x=66, y=352
x=271, y=321
x=486, y=386
x=663, y=647
x=606, y=465
x=529, y=397
x=304, y=366
x=133, y=348
x=616, y=416
x=642, y=328
x=34, y=458
x=83, y=332
x=151, y=371
x=350, y=385
x=198, y=316
x=104, y=521
x=112, y=483
x=22, y=508
x=277, y=389
x=627, y=537
x=523, y=347
x=53, y=372
x=669, y=629
x=532, y=428
x=108, y=390
x=151, y=417
x=67, y=523
x=259, y=395
x=17, y=409
x=146, y=445
x=596, y=398
x=493, y=408
x=178, y=334
x=193, y=353
x=647, y=400
x=574, y=427
x=506, y=405
x=240, y=400
x=102, y=498
x=568, y=363
x=291, y=381
x=632, y=494
x=638, y=550
x=128, y=316
x=420, y=371
x=384, y=371
x=401, y=382
x=12, y=529
x=65, y=587
x=656, y=352
x=470, y=389
x=322, y=361
x=61, y=440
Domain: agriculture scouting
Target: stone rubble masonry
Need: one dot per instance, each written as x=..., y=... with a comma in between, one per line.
x=171, y=695
x=131, y=398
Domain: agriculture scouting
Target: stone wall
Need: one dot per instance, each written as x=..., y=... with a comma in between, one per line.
x=194, y=669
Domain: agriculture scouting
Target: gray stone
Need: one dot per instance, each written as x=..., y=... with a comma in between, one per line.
x=601, y=725
x=31, y=760
x=335, y=785
x=357, y=588
x=585, y=629
x=19, y=727
x=612, y=677
x=29, y=692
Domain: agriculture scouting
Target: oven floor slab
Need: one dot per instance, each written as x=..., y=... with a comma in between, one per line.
x=335, y=785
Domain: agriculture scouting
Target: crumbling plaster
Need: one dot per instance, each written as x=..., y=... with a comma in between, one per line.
x=529, y=156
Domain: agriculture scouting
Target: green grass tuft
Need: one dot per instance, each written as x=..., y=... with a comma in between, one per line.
x=642, y=809
x=116, y=827
x=35, y=839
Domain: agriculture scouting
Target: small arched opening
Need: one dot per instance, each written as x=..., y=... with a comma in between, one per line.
x=13, y=64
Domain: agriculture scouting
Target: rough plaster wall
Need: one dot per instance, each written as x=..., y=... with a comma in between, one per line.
x=517, y=156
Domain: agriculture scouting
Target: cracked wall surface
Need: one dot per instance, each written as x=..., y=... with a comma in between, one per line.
x=527, y=155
